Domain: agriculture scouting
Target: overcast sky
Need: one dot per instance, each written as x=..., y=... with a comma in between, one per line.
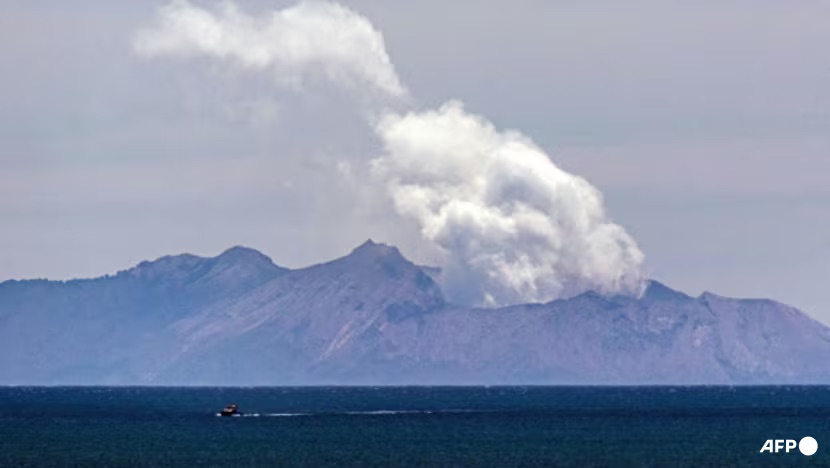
x=705, y=124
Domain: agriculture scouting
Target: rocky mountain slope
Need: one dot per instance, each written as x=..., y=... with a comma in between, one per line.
x=373, y=317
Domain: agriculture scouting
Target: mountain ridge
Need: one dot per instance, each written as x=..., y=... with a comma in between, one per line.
x=374, y=317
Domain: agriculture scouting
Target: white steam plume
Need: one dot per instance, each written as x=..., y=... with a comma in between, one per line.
x=292, y=43
x=512, y=226
x=515, y=228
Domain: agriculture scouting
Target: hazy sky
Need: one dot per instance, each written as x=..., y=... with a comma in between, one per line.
x=706, y=125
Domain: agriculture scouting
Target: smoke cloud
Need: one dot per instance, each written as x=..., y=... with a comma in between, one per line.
x=511, y=225
x=515, y=227
x=292, y=43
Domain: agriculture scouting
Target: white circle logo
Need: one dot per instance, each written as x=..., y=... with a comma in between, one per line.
x=808, y=446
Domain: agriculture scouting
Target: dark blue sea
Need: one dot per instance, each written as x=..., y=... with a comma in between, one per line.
x=411, y=426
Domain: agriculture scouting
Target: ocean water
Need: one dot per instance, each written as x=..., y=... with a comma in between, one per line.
x=411, y=426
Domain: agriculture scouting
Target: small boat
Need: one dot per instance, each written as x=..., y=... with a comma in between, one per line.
x=230, y=410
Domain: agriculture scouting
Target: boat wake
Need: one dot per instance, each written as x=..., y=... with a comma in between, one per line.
x=353, y=413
